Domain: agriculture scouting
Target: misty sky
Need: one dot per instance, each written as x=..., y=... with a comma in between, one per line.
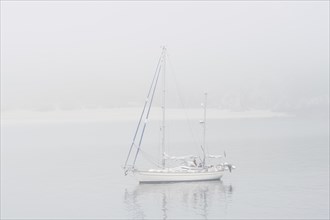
x=247, y=55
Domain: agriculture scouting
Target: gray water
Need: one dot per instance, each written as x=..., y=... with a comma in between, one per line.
x=73, y=170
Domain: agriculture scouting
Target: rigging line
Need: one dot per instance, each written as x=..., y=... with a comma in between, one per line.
x=145, y=122
x=159, y=149
x=182, y=103
x=144, y=107
x=147, y=117
x=150, y=158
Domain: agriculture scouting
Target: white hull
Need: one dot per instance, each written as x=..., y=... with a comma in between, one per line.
x=152, y=177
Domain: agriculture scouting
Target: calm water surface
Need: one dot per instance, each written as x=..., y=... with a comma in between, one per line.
x=73, y=170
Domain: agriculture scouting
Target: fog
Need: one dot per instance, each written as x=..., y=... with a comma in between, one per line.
x=254, y=55
x=74, y=78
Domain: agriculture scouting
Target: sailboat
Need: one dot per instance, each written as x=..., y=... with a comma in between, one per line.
x=189, y=169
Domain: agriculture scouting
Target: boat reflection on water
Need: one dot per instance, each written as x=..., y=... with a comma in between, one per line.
x=195, y=200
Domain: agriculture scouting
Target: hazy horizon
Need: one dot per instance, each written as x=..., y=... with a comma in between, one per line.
x=271, y=56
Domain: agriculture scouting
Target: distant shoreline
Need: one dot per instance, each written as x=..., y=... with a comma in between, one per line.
x=127, y=114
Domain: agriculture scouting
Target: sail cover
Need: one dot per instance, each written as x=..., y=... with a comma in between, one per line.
x=186, y=157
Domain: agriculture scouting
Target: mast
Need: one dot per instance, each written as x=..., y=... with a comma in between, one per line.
x=204, y=127
x=163, y=109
